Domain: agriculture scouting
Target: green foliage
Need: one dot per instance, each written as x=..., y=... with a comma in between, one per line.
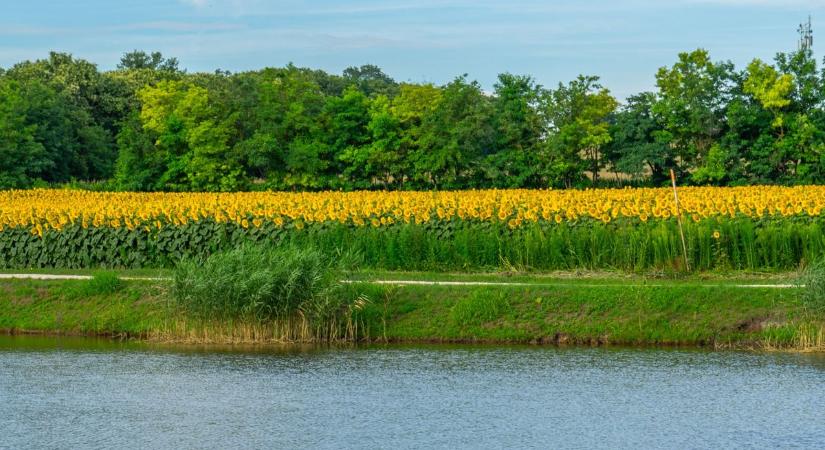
x=714, y=168
x=454, y=136
x=138, y=60
x=691, y=104
x=370, y=80
x=74, y=111
x=768, y=87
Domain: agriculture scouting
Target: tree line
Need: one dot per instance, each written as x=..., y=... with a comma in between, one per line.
x=148, y=125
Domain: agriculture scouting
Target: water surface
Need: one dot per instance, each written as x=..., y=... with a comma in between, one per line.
x=69, y=393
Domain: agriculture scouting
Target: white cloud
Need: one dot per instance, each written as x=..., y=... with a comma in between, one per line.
x=783, y=4
x=196, y=3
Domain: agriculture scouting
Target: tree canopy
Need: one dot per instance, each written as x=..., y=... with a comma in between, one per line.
x=149, y=125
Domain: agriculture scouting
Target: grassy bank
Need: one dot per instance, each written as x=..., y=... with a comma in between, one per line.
x=597, y=311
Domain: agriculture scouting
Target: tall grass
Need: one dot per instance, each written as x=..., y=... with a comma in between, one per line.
x=292, y=292
x=730, y=244
x=813, y=293
x=101, y=283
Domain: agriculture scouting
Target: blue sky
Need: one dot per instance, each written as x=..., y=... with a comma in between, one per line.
x=622, y=41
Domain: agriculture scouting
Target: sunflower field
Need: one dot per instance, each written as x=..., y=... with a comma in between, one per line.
x=755, y=227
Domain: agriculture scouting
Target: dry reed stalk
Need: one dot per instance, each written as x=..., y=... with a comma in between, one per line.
x=679, y=219
x=295, y=329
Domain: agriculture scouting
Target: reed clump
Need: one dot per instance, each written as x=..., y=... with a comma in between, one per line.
x=813, y=284
x=803, y=338
x=266, y=293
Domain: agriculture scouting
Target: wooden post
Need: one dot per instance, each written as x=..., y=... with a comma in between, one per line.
x=679, y=219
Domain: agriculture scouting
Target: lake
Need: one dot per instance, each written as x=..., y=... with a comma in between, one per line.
x=74, y=392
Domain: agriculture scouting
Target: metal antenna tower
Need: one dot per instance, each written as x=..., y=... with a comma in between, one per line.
x=806, y=35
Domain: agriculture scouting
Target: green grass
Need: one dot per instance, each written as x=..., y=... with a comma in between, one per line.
x=674, y=314
x=82, y=307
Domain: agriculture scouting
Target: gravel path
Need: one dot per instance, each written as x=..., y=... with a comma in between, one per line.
x=43, y=276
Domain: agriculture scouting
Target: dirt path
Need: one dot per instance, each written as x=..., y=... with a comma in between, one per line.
x=49, y=276
x=42, y=276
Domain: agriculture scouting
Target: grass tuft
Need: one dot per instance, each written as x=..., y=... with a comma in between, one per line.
x=101, y=283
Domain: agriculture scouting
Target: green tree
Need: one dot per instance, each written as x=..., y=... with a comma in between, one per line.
x=411, y=107
x=379, y=158
x=770, y=89
x=22, y=158
x=803, y=146
x=286, y=145
x=635, y=148
x=347, y=136
x=139, y=59
x=191, y=137
x=519, y=128
x=76, y=112
x=578, y=114
x=454, y=137
x=370, y=80
x=693, y=94
x=796, y=150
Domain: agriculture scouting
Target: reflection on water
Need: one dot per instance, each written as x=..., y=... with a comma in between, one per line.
x=99, y=393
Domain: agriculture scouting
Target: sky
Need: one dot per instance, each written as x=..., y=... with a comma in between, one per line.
x=622, y=41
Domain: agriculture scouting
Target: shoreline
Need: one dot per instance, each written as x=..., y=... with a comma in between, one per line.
x=547, y=342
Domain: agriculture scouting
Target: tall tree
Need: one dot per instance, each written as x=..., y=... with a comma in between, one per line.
x=286, y=146
x=139, y=59
x=635, y=148
x=693, y=94
x=346, y=133
x=578, y=114
x=409, y=110
x=519, y=128
x=370, y=80
x=191, y=137
x=22, y=158
x=804, y=143
x=76, y=112
x=454, y=137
